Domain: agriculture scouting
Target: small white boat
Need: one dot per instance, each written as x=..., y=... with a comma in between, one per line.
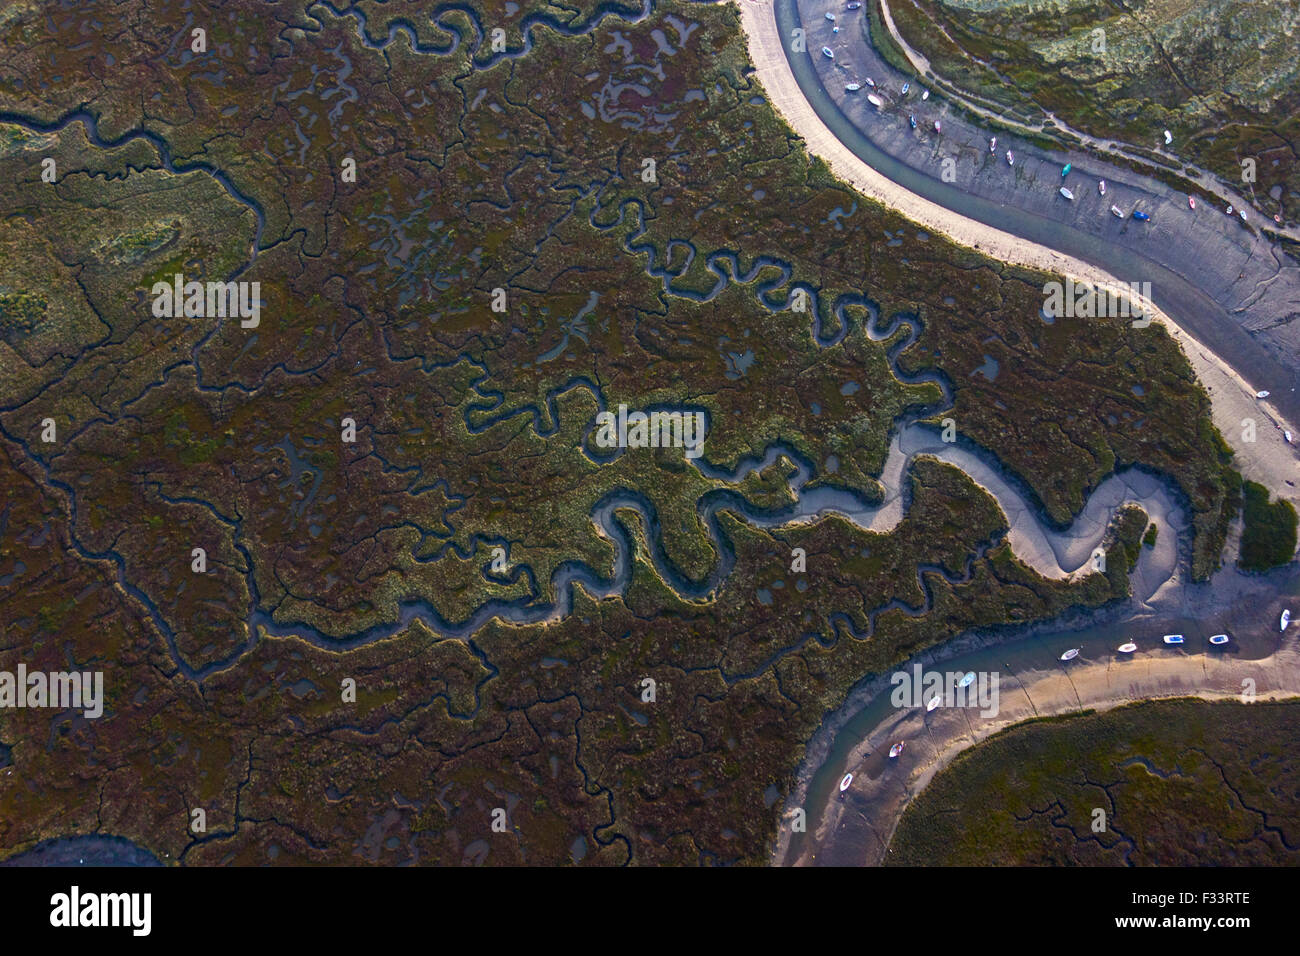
x=1101, y=187
x=925, y=94
x=871, y=83
x=1242, y=213
x=1230, y=209
x=967, y=679
x=1066, y=193
x=993, y=145
x=937, y=127
x=853, y=6
x=1169, y=137
x=1071, y=654
x=1173, y=638
x=1191, y=202
x=1117, y=212
x=1286, y=619
x=830, y=16
x=934, y=702
x=1219, y=639
x=835, y=29
x=853, y=87
x=897, y=749
x=875, y=100
x=1287, y=436
x=844, y=784
x=906, y=87
x=827, y=52
x=1128, y=648
x=1011, y=158
x=1262, y=393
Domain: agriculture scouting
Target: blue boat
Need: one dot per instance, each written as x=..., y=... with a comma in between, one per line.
x=967, y=679
x=1173, y=638
x=1219, y=639
x=1140, y=216
x=1065, y=170
x=912, y=120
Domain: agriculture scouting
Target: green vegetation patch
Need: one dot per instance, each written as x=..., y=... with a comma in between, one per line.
x=1159, y=783
x=1269, y=536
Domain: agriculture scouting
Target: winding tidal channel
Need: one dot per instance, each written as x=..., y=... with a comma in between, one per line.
x=1017, y=217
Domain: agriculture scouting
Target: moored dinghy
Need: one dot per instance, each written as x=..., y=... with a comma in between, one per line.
x=1128, y=648
x=1286, y=619
x=967, y=679
x=934, y=702
x=844, y=784
x=1066, y=193
x=897, y=749
x=1173, y=638
x=1219, y=639
x=1071, y=654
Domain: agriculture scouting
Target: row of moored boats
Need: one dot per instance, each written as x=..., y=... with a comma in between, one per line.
x=1174, y=640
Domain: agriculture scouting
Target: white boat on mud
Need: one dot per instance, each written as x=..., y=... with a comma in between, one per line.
x=967, y=679
x=897, y=749
x=875, y=100
x=1173, y=638
x=1218, y=640
x=935, y=701
x=1128, y=648
x=1117, y=212
x=1071, y=654
x=1286, y=619
x=828, y=52
x=1011, y=158
x=844, y=784
x=852, y=87
x=1066, y=193
x=925, y=94
x=1101, y=187
x=1262, y=393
